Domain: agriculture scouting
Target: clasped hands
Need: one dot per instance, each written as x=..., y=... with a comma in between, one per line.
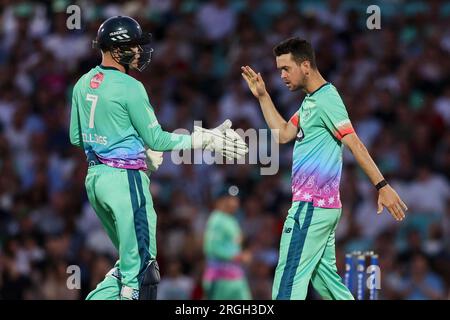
x=221, y=139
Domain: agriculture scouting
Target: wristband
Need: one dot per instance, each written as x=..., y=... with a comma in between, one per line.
x=381, y=184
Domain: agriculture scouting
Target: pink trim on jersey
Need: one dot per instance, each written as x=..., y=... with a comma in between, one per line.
x=223, y=271
x=137, y=164
x=331, y=202
x=325, y=197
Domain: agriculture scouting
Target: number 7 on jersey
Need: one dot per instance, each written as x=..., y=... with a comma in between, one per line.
x=93, y=98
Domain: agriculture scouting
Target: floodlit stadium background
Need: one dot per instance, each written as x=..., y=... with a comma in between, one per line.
x=395, y=82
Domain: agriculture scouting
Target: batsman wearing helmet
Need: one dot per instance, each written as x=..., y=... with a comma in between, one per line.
x=114, y=122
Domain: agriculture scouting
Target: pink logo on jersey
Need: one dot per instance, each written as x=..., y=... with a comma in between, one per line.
x=97, y=80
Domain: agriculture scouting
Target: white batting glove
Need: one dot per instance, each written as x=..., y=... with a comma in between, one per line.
x=222, y=139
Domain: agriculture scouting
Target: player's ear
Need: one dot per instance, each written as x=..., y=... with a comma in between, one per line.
x=305, y=66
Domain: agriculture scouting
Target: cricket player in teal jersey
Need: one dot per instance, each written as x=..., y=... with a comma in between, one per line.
x=224, y=277
x=113, y=121
x=321, y=127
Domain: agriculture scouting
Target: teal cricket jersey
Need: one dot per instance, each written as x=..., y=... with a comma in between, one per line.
x=317, y=157
x=113, y=116
x=222, y=243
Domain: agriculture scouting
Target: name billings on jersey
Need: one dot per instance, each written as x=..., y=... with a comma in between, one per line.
x=95, y=138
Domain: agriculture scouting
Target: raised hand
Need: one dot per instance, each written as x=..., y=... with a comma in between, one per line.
x=254, y=81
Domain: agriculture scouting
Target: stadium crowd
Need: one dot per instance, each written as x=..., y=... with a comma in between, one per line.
x=395, y=82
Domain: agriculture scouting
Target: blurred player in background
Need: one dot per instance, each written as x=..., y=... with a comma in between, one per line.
x=321, y=127
x=224, y=278
x=113, y=121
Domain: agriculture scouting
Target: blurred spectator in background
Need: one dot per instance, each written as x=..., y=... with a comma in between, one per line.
x=175, y=285
x=421, y=283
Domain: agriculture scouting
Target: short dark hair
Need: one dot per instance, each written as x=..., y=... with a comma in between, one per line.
x=301, y=49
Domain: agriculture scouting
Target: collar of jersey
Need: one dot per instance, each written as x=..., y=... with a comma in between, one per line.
x=107, y=68
x=325, y=84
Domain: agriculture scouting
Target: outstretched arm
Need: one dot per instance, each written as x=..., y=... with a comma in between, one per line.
x=222, y=139
x=146, y=124
x=387, y=196
x=284, y=131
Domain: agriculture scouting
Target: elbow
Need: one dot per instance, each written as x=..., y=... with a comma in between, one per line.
x=284, y=136
x=283, y=140
x=75, y=142
x=75, y=137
